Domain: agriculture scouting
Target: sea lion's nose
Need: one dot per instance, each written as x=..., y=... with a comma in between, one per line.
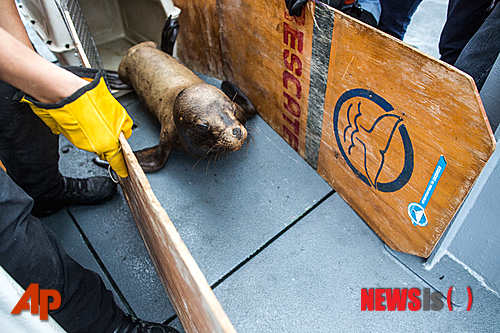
x=237, y=133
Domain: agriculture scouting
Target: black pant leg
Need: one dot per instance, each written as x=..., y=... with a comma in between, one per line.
x=396, y=16
x=30, y=253
x=28, y=148
x=464, y=19
x=481, y=52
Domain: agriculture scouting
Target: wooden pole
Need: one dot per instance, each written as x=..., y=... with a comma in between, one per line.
x=193, y=299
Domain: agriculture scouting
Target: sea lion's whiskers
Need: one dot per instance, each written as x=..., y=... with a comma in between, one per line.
x=249, y=128
x=234, y=98
x=210, y=150
x=250, y=137
x=224, y=155
x=207, y=155
x=196, y=163
x=247, y=142
x=208, y=165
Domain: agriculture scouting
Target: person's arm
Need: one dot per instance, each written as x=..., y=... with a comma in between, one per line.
x=21, y=67
x=29, y=72
x=11, y=22
x=86, y=113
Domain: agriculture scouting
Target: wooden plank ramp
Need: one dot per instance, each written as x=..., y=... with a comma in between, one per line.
x=193, y=299
x=399, y=135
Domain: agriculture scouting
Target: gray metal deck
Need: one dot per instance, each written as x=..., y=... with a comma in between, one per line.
x=282, y=251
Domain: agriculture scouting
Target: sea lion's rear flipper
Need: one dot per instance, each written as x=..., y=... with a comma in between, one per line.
x=169, y=35
x=236, y=95
x=154, y=158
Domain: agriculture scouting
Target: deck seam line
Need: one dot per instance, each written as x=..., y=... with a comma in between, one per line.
x=264, y=246
x=96, y=257
x=270, y=241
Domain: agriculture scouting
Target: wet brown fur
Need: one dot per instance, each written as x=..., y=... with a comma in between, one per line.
x=193, y=115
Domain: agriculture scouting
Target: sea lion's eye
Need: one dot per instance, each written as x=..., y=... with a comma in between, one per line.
x=202, y=127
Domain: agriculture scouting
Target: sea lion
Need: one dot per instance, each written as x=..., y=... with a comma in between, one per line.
x=193, y=115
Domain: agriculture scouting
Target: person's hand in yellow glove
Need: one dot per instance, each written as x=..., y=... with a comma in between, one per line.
x=92, y=119
x=86, y=113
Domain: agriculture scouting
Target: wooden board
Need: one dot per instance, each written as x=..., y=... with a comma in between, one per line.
x=193, y=300
x=399, y=135
x=198, y=43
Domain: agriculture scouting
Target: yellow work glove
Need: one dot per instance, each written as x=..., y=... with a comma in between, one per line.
x=92, y=119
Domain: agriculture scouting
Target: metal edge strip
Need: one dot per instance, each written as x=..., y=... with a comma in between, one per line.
x=320, y=60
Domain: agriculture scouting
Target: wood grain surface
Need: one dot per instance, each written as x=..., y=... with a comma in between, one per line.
x=386, y=125
x=198, y=42
x=193, y=300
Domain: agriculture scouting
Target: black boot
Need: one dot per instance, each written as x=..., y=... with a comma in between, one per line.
x=88, y=191
x=128, y=324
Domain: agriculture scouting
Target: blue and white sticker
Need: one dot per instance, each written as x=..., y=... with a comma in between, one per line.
x=416, y=211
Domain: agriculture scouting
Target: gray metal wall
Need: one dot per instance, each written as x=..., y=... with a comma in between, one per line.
x=473, y=240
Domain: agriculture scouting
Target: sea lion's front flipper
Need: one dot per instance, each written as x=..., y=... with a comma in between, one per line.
x=236, y=95
x=169, y=35
x=154, y=158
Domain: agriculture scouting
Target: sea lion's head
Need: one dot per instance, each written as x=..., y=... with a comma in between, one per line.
x=205, y=121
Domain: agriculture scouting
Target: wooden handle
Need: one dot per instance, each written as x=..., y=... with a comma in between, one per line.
x=189, y=292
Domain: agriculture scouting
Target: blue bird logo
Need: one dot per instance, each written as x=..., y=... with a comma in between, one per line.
x=371, y=135
x=357, y=135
